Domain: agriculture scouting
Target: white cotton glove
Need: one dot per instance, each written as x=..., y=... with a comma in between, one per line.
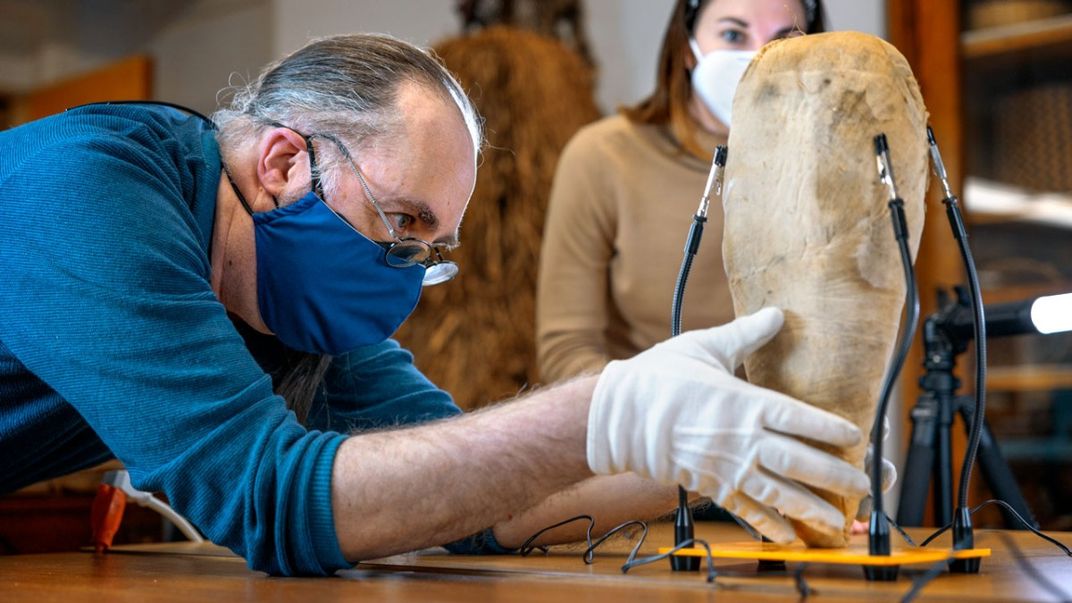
x=889, y=473
x=677, y=415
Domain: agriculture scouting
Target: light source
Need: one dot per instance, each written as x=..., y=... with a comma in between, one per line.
x=1052, y=313
x=1046, y=315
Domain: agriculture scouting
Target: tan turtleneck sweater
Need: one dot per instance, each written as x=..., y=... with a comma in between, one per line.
x=621, y=205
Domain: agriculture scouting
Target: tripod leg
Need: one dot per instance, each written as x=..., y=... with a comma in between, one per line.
x=996, y=471
x=919, y=464
x=943, y=464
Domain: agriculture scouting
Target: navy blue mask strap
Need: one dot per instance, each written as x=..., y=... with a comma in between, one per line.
x=314, y=169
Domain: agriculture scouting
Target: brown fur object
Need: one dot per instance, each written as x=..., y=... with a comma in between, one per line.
x=475, y=336
x=559, y=19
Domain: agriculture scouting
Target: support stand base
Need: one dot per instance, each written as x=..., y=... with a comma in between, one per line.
x=876, y=567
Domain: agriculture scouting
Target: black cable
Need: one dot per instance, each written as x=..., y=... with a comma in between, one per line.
x=907, y=335
x=683, y=276
x=957, y=220
x=528, y=546
x=960, y=233
x=683, y=524
x=692, y=242
x=632, y=561
x=937, y=533
x=878, y=532
x=1026, y=524
x=1007, y=506
x=963, y=537
x=589, y=552
x=904, y=534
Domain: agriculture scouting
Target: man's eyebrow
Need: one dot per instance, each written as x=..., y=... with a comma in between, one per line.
x=418, y=209
x=424, y=213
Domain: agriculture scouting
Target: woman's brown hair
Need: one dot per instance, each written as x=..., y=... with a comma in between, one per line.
x=669, y=103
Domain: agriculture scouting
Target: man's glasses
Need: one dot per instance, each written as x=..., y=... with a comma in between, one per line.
x=405, y=251
x=402, y=252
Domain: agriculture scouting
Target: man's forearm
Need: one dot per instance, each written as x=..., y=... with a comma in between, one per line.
x=401, y=490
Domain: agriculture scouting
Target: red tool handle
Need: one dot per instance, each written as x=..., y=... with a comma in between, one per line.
x=106, y=515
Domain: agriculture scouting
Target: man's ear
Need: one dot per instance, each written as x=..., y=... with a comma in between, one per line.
x=280, y=154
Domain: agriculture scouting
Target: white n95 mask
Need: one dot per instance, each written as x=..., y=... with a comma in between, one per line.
x=716, y=76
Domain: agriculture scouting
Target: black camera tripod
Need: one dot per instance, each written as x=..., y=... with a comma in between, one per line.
x=946, y=333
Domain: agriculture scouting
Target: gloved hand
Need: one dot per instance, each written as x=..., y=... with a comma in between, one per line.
x=889, y=473
x=676, y=414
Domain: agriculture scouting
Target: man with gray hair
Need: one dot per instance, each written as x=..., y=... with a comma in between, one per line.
x=172, y=285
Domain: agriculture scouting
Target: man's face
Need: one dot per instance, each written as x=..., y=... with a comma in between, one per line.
x=421, y=177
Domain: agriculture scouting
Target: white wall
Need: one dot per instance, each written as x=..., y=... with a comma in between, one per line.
x=422, y=22
x=868, y=16
x=199, y=55
x=626, y=36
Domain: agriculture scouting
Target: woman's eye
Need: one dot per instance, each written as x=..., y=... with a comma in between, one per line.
x=732, y=36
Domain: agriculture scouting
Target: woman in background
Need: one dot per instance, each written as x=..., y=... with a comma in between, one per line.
x=627, y=186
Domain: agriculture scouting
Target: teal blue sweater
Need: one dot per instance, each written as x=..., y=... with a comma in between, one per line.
x=112, y=343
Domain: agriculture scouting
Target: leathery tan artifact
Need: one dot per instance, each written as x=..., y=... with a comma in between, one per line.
x=807, y=227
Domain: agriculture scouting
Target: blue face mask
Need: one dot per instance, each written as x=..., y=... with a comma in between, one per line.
x=322, y=286
x=325, y=288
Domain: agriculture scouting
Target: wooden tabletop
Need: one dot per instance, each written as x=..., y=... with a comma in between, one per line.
x=186, y=572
